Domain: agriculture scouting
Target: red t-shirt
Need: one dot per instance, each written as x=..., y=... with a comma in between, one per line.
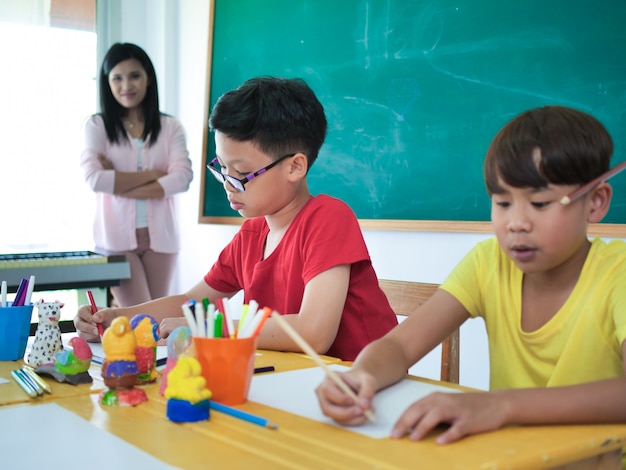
x=324, y=234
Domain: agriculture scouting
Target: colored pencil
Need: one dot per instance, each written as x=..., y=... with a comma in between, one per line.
x=41, y=382
x=217, y=327
x=264, y=314
x=23, y=384
x=219, y=307
x=253, y=326
x=228, y=317
x=191, y=319
x=242, y=415
x=29, y=290
x=250, y=313
x=299, y=340
x=200, y=320
x=3, y=294
x=20, y=295
x=592, y=184
x=210, y=321
x=30, y=381
x=94, y=309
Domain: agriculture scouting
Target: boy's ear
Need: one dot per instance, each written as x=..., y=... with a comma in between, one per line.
x=600, y=202
x=298, y=166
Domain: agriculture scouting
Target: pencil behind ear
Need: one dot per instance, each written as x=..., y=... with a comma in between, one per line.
x=600, y=202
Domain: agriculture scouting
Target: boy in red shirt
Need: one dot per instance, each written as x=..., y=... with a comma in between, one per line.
x=299, y=254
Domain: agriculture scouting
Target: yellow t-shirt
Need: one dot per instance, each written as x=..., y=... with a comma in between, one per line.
x=581, y=343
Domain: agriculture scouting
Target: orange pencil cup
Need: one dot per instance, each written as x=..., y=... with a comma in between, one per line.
x=227, y=366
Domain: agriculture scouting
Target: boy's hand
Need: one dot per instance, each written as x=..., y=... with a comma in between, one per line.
x=85, y=322
x=167, y=326
x=340, y=407
x=466, y=413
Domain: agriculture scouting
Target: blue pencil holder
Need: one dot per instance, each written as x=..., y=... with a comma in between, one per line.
x=14, y=329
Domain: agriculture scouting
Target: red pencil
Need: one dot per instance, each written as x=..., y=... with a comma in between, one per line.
x=94, y=309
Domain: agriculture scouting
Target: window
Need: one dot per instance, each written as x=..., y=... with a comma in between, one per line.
x=47, y=89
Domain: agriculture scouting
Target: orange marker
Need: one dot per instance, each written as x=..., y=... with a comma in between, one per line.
x=264, y=315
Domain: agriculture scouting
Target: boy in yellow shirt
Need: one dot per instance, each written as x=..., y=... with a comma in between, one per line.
x=554, y=302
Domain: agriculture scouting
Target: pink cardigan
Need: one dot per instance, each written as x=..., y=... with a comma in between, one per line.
x=114, y=225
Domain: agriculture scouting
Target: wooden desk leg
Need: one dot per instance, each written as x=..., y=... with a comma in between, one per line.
x=611, y=460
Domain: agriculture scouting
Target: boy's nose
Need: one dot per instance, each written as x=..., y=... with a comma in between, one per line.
x=518, y=220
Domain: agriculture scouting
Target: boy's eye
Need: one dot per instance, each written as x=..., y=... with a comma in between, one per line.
x=502, y=203
x=540, y=205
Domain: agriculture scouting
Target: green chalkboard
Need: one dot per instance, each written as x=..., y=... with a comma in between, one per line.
x=415, y=90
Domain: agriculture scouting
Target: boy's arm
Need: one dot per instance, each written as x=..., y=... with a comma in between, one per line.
x=319, y=316
x=164, y=307
x=170, y=306
x=471, y=413
x=385, y=361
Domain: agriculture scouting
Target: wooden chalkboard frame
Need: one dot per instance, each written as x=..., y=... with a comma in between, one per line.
x=602, y=229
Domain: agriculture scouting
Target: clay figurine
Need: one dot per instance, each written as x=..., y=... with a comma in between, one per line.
x=48, y=335
x=119, y=369
x=146, y=331
x=71, y=365
x=188, y=398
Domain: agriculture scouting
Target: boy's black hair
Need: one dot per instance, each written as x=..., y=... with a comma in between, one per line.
x=112, y=112
x=574, y=148
x=278, y=115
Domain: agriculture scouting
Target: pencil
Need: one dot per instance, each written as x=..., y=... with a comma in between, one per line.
x=592, y=184
x=299, y=340
x=29, y=290
x=242, y=415
x=3, y=295
x=41, y=382
x=191, y=319
x=18, y=301
x=228, y=316
x=30, y=381
x=94, y=309
x=23, y=384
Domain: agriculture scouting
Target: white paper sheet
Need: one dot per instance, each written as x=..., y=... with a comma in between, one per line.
x=294, y=392
x=49, y=436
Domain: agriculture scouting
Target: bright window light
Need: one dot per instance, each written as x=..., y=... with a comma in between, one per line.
x=47, y=90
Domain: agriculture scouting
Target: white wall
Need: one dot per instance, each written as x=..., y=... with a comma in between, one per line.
x=175, y=35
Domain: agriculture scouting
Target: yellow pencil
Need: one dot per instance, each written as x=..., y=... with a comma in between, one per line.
x=41, y=382
x=299, y=340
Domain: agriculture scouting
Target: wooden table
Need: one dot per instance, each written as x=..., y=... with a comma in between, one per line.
x=227, y=442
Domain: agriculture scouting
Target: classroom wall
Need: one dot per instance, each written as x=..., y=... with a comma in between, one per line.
x=175, y=35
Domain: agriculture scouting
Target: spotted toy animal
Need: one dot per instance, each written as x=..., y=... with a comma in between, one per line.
x=48, y=335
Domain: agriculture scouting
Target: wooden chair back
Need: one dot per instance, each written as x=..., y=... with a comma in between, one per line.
x=405, y=297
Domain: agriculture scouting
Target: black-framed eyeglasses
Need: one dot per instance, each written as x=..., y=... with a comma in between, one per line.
x=239, y=184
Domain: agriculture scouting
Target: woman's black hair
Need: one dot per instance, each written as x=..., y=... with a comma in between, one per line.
x=112, y=112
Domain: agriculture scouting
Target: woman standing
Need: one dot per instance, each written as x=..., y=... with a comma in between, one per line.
x=135, y=159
